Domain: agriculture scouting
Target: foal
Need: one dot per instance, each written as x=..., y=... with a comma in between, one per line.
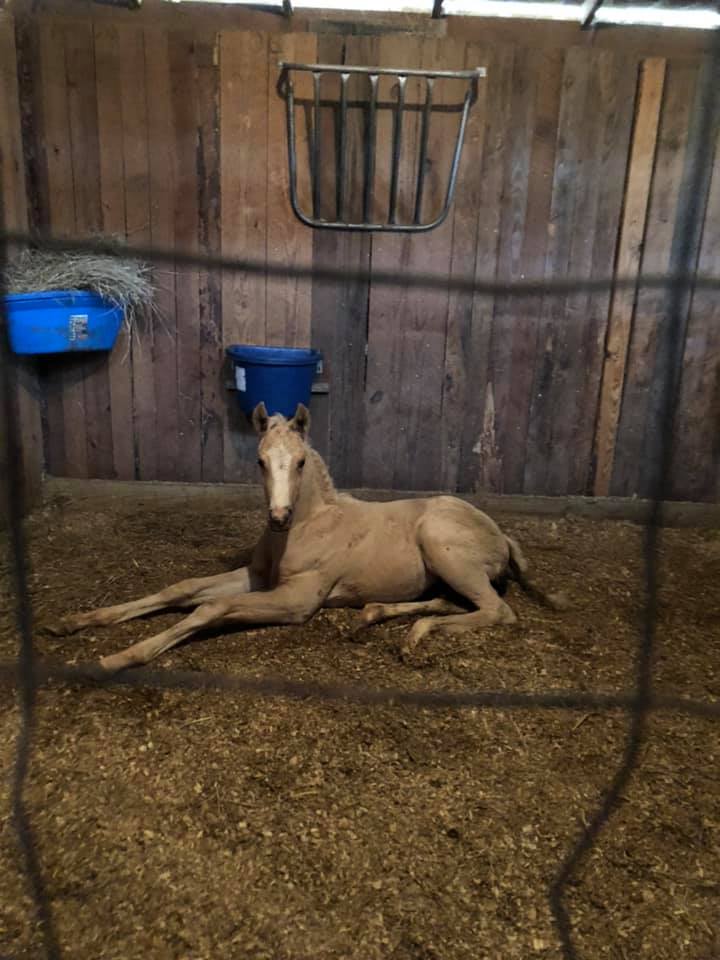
x=321, y=548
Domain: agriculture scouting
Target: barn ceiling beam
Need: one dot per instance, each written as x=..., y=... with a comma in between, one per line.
x=590, y=8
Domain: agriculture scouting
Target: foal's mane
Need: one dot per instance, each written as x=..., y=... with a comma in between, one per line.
x=322, y=476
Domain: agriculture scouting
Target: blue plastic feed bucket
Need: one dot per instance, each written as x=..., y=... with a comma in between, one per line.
x=61, y=321
x=280, y=377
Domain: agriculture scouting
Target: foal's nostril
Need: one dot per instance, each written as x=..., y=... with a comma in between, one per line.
x=281, y=517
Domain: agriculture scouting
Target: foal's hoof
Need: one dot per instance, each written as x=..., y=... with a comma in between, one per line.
x=371, y=613
x=59, y=628
x=113, y=664
x=362, y=620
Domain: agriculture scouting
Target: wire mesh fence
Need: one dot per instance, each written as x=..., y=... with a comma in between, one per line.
x=28, y=673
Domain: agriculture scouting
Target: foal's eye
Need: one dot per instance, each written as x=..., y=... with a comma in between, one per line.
x=261, y=464
x=301, y=463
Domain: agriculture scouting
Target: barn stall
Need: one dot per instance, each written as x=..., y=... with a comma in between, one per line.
x=185, y=822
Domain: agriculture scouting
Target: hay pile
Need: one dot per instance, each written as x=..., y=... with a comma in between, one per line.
x=123, y=280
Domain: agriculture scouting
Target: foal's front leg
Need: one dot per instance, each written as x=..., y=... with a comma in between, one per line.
x=186, y=593
x=293, y=602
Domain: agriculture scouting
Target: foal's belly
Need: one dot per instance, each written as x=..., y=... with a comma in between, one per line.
x=385, y=580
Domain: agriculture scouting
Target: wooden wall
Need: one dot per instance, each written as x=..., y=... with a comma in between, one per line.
x=25, y=389
x=574, y=162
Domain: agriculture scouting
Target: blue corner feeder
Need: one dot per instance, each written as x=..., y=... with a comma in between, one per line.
x=61, y=321
x=280, y=377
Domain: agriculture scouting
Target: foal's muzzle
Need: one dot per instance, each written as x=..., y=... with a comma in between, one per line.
x=280, y=519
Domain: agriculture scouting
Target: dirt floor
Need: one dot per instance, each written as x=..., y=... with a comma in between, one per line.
x=197, y=826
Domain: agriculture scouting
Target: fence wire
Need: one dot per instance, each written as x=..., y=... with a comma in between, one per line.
x=27, y=674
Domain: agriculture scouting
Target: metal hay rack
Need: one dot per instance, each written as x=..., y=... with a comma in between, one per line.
x=394, y=222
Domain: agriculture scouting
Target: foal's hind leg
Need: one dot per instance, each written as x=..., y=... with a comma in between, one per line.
x=377, y=612
x=459, y=562
x=186, y=593
x=491, y=610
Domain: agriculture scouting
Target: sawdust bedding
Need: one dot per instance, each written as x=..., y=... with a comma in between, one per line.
x=194, y=825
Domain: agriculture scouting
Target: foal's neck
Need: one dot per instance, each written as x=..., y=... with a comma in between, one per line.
x=316, y=489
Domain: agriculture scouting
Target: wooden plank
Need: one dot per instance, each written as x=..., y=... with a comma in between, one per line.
x=13, y=174
x=66, y=411
x=185, y=117
x=29, y=80
x=571, y=362
x=632, y=231
x=69, y=369
x=512, y=326
x=685, y=246
x=163, y=191
x=390, y=307
x=58, y=157
x=243, y=192
x=576, y=136
x=82, y=115
x=479, y=467
x=618, y=75
x=211, y=357
x=85, y=152
x=66, y=438
x=628, y=472
x=289, y=300
x=14, y=217
x=350, y=316
x=339, y=318
x=112, y=195
x=547, y=67
x=421, y=371
x=457, y=379
x=134, y=97
x=596, y=219
x=696, y=457
x=329, y=250
x=526, y=194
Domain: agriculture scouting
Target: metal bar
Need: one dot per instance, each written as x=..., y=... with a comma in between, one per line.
x=437, y=9
x=425, y=131
x=341, y=146
x=396, y=149
x=287, y=8
x=370, y=148
x=315, y=158
x=478, y=72
x=292, y=159
x=374, y=227
x=457, y=154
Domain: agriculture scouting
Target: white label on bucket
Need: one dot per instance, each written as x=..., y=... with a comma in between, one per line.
x=78, y=326
x=240, y=380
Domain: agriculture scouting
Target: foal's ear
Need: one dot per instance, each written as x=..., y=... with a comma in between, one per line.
x=301, y=421
x=260, y=418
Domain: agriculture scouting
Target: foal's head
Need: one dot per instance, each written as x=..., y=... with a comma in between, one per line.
x=281, y=456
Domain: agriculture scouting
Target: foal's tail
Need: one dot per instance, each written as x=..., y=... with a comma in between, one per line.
x=518, y=570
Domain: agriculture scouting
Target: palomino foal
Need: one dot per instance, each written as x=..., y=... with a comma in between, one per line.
x=325, y=549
